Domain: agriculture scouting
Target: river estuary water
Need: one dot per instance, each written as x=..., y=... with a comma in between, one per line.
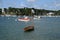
x=45, y=28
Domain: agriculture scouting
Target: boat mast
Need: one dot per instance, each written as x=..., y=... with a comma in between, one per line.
x=32, y=17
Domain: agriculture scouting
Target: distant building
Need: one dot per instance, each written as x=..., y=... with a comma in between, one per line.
x=2, y=9
x=50, y=14
x=33, y=11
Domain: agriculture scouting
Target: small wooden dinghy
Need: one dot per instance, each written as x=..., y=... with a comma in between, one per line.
x=29, y=28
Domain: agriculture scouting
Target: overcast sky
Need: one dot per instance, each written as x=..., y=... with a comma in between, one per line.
x=39, y=4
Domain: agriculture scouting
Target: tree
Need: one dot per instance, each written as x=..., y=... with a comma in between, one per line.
x=0, y=11
x=5, y=10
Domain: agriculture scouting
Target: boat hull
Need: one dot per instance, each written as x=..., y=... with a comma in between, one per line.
x=29, y=28
x=24, y=19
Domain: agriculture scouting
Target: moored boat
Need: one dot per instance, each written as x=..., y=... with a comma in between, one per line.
x=36, y=17
x=29, y=28
x=24, y=19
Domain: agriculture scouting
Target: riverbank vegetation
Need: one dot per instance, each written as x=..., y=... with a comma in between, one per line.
x=26, y=11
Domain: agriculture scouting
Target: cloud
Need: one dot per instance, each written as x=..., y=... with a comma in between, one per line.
x=22, y=4
x=57, y=4
x=45, y=5
x=0, y=1
x=31, y=0
x=35, y=6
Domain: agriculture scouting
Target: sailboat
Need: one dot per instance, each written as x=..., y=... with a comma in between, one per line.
x=31, y=27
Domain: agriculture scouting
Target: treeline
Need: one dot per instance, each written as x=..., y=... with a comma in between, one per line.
x=27, y=11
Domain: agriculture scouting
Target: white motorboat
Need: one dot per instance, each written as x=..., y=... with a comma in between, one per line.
x=36, y=17
x=24, y=19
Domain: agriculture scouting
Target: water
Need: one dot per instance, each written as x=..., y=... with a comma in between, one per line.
x=46, y=28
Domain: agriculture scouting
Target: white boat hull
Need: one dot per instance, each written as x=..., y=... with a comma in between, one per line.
x=23, y=20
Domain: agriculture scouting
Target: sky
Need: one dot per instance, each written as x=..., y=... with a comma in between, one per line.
x=39, y=4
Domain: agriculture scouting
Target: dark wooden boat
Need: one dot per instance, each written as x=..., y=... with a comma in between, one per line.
x=29, y=28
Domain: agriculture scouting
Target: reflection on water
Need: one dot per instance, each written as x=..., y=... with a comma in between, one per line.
x=47, y=28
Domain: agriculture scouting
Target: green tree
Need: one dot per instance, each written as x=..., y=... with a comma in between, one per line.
x=0, y=11
x=5, y=10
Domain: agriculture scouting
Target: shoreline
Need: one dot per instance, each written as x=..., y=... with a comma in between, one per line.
x=24, y=15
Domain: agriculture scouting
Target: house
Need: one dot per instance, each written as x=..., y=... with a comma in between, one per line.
x=50, y=14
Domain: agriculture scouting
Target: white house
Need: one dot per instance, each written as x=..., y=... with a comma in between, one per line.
x=50, y=14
